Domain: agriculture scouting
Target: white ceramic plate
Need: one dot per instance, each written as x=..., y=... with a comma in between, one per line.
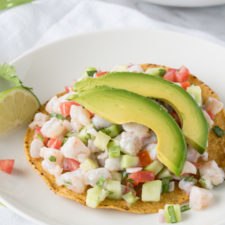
x=49, y=68
x=188, y=3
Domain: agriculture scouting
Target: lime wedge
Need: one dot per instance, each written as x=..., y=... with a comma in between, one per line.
x=17, y=107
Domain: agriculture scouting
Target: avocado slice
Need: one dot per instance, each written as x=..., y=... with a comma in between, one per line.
x=194, y=124
x=121, y=106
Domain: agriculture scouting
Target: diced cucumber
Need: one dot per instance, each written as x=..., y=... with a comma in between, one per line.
x=155, y=166
x=101, y=181
x=114, y=150
x=83, y=135
x=88, y=164
x=166, y=184
x=128, y=161
x=159, y=72
x=101, y=141
x=184, y=208
x=196, y=93
x=113, y=130
x=164, y=173
x=205, y=183
x=172, y=213
x=129, y=198
x=90, y=71
x=94, y=196
x=116, y=176
x=114, y=189
x=151, y=191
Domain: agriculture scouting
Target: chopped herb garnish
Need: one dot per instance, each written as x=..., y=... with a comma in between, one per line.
x=166, y=184
x=190, y=179
x=130, y=181
x=70, y=134
x=184, y=208
x=172, y=214
x=40, y=137
x=58, y=116
x=101, y=181
x=218, y=131
x=67, y=182
x=91, y=73
x=124, y=175
x=52, y=158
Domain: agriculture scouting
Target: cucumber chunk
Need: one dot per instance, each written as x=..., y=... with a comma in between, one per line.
x=151, y=191
x=130, y=199
x=88, y=164
x=159, y=72
x=155, y=166
x=172, y=213
x=128, y=161
x=101, y=141
x=95, y=195
x=114, y=189
x=114, y=150
x=113, y=130
x=83, y=135
x=164, y=173
x=196, y=93
x=116, y=176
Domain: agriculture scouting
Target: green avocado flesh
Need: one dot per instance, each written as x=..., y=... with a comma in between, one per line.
x=194, y=124
x=121, y=106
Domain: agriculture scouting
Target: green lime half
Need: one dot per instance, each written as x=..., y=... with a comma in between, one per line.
x=17, y=107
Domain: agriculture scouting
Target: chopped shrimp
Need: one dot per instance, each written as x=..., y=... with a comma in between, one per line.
x=208, y=118
x=35, y=148
x=139, y=130
x=73, y=180
x=151, y=148
x=100, y=122
x=53, y=169
x=172, y=186
x=185, y=185
x=67, y=125
x=74, y=148
x=92, y=147
x=39, y=120
x=102, y=158
x=53, y=128
x=53, y=106
x=113, y=164
x=92, y=176
x=130, y=143
x=192, y=154
x=135, y=68
x=48, y=153
x=200, y=198
x=212, y=172
x=213, y=105
x=189, y=168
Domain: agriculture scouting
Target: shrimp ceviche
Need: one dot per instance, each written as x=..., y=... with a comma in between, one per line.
x=140, y=138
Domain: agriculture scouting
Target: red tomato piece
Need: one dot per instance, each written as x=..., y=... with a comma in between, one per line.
x=6, y=165
x=68, y=89
x=210, y=114
x=65, y=107
x=55, y=143
x=144, y=158
x=91, y=113
x=185, y=85
x=70, y=164
x=99, y=74
x=170, y=75
x=141, y=177
x=37, y=132
x=182, y=74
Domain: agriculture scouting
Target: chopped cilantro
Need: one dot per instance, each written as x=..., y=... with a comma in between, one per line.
x=52, y=158
x=58, y=116
x=218, y=131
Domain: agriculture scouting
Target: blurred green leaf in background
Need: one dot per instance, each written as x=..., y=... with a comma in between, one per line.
x=6, y=4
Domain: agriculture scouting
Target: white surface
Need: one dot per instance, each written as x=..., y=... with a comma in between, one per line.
x=61, y=62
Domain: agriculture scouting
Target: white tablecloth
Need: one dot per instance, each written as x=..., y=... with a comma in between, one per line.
x=43, y=21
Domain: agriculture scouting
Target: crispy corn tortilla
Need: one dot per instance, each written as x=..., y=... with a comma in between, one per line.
x=215, y=149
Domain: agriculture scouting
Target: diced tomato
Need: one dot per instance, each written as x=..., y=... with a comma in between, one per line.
x=70, y=164
x=210, y=114
x=6, y=165
x=55, y=143
x=141, y=177
x=170, y=75
x=144, y=158
x=182, y=74
x=65, y=107
x=185, y=85
x=91, y=113
x=37, y=131
x=99, y=74
x=68, y=89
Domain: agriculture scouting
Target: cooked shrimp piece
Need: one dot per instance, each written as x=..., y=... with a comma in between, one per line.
x=100, y=122
x=101, y=158
x=213, y=105
x=74, y=148
x=192, y=154
x=139, y=130
x=35, y=148
x=189, y=168
x=53, y=128
x=73, y=180
x=92, y=176
x=113, y=164
x=135, y=68
x=130, y=143
x=200, y=198
x=53, y=169
x=39, y=120
x=212, y=172
x=52, y=155
x=53, y=106
x=185, y=185
x=151, y=148
x=208, y=118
